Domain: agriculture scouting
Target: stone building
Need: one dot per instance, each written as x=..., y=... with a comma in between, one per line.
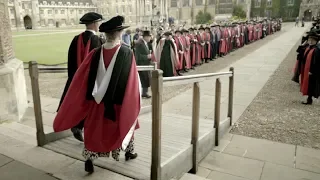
x=135, y=11
x=246, y=6
x=309, y=9
x=288, y=10
x=31, y=14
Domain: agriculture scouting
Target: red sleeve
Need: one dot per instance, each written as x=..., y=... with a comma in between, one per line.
x=131, y=106
x=75, y=106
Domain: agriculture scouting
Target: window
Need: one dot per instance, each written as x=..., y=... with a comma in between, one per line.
x=212, y=2
x=268, y=13
x=290, y=12
x=123, y=9
x=62, y=12
x=13, y=22
x=49, y=11
x=174, y=3
x=257, y=3
x=117, y=11
x=269, y=3
x=148, y=8
x=290, y=2
x=71, y=11
x=80, y=11
x=185, y=3
x=130, y=8
x=50, y=21
x=56, y=11
x=199, y=2
x=11, y=11
x=42, y=22
x=41, y=12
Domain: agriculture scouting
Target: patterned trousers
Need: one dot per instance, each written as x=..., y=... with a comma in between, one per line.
x=90, y=155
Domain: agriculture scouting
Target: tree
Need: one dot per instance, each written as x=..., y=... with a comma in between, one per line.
x=238, y=11
x=203, y=17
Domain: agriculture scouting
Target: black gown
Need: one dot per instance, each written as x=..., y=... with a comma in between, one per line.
x=165, y=59
x=95, y=41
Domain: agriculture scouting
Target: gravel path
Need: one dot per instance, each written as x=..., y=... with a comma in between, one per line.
x=277, y=113
x=52, y=84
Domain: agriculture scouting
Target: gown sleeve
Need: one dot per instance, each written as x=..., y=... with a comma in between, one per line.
x=75, y=107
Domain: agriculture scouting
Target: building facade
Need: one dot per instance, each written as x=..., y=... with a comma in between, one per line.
x=287, y=9
x=32, y=14
x=136, y=12
x=309, y=9
x=246, y=6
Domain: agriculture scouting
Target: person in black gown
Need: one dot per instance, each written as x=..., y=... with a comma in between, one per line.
x=80, y=46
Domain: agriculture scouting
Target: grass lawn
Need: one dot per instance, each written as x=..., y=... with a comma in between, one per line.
x=45, y=49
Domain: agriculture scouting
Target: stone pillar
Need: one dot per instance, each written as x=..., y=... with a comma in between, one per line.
x=35, y=14
x=18, y=17
x=13, y=93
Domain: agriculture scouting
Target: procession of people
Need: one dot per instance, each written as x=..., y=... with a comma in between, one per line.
x=102, y=96
x=307, y=67
x=179, y=50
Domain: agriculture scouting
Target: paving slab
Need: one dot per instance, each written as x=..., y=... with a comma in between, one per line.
x=203, y=172
x=261, y=149
x=279, y=172
x=233, y=165
x=18, y=171
x=4, y=160
x=215, y=175
x=76, y=172
x=308, y=159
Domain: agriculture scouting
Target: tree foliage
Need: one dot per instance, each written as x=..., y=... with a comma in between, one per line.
x=238, y=12
x=203, y=17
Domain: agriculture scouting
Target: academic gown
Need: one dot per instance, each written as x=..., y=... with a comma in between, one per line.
x=223, y=42
x=310, y=84
x=180, y=47
x=187, y=44
x=300, y=58
x=167, y=57
x=141, y=53
x=192, y=49
x=79, y=48
x=102, y=134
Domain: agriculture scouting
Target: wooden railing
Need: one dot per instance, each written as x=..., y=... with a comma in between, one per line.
x=158, y=81
x=42, y=137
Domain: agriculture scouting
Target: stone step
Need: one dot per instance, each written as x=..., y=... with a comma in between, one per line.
x=19, y=132
x=188, y=176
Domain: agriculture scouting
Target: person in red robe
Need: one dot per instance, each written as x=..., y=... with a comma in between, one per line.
x=79, y=48
x=310, y=69
x=105, y=92
x=223, y=41
x=180, y=49
x=187, y=45
x=193, y=44
x=207, y=45
x=201, y=44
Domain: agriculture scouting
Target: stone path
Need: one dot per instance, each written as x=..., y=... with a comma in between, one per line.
x=14, y=170
x=244, y=158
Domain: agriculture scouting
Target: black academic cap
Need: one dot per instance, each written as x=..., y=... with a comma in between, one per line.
x=114, y=24
x=146, y=33
x=314, y=34
x=201, y=27
x=184, y=30
x=168, y=33
x=177, y=31
x=191, y=29
x=90, y=17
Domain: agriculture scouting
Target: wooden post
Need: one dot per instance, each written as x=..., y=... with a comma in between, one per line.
x=230, y=102
x=34, y=75
x=155, y=65
x=157, y=82
x=217, y=110
x=195, y=126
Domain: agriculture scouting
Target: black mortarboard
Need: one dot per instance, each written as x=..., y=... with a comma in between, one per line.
x=90, y=17
x=201, y=27
x=314, y=34
x=168, y=33
x=191, y=29
x=146, y=33
x=177, y=31
x=207, y=27
x=184, y=30
x=114, y=24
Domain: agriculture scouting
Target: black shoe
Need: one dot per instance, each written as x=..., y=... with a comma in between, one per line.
x=309, y=102
x=146, y=96
x=130, y=156
x=186, y=70
x=88, y=166
x=77, y=133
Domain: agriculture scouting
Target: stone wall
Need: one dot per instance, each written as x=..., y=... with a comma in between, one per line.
x=6, y=49
x=13, y=93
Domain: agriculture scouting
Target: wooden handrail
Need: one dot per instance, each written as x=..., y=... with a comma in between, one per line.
x=173, y=81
